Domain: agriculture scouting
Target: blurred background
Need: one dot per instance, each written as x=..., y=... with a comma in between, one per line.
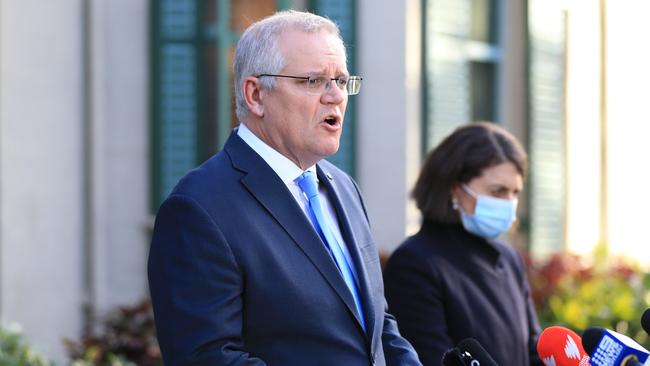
x=105, y=104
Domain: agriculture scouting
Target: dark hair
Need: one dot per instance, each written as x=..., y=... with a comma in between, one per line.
x=459, y=158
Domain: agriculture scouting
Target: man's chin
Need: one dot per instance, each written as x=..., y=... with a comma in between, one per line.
x=331, y=150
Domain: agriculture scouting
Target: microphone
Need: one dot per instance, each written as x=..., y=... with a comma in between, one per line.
x=645, y=321
x=468, y=352
x=609, y=348
x=560, y=346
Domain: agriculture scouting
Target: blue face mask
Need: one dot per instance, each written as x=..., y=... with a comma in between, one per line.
x=492, y=216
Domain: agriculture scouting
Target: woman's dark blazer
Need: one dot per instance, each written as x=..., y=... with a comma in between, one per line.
x=444, y=285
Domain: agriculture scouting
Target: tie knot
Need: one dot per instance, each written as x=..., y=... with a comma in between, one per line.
x=307, y=183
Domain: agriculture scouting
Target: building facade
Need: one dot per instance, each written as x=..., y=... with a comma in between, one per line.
x=105, y=104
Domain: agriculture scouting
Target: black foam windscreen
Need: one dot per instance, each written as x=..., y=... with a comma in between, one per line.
x=477, y=352
x=453, y=357
x=645, y=321
x=590, y=338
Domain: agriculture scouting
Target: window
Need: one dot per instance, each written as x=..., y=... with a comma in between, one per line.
x=461, y=57
x=192, y=104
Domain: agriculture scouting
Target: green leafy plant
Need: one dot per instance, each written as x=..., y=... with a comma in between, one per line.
x=14, y=351
x=111, y=360
x=571, y=291
x=127, y=337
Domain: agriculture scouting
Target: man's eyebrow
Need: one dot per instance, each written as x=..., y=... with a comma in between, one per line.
x=316, y=72
x=323, y=72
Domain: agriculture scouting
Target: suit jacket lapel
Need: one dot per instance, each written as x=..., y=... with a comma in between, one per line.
x=269, y=190
x=352, y=245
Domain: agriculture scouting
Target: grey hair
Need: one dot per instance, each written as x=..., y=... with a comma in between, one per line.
x=258, y=52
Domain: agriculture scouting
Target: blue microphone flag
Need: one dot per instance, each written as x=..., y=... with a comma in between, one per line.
x=614, y=349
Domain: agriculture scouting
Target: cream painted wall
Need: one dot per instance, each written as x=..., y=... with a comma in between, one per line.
x=388, y=132
x=74, y=161
x=628, y=128
x=583, y=116
x=41, y=221
x=513, y=69
x=126, y=129
x=620, y=219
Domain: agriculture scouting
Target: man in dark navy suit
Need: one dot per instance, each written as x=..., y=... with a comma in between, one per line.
x=263, y=254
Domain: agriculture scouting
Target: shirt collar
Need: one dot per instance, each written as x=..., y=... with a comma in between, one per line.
x=286, y=169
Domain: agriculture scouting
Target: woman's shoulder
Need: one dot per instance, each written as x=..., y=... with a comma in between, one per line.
x=507, y=250
x=412, y=247
x=417, y=259
x=432, y=241
x=511, y=255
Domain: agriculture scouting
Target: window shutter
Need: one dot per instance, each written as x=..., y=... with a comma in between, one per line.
x=342, y=12
x=546, y=127
x=174, y=88
x=460, y=65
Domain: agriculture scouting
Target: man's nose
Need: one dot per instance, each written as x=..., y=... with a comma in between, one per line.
x=333, y=94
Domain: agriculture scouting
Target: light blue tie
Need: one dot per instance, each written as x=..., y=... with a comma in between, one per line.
x=307, y=182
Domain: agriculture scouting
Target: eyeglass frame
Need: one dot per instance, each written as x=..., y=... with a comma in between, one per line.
x=308, y=78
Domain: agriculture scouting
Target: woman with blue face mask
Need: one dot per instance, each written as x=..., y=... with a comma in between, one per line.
x=455, y=278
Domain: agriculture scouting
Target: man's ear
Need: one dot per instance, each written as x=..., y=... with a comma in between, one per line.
x=253, y=95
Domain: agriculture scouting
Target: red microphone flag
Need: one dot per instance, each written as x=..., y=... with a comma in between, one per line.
x=560, y=346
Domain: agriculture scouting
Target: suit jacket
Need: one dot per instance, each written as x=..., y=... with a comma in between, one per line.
x=238, y=275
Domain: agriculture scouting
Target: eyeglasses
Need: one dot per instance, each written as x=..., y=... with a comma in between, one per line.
x=320, y=84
